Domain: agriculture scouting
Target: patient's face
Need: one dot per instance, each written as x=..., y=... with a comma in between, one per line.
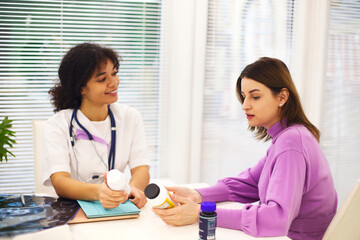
x=260, y=105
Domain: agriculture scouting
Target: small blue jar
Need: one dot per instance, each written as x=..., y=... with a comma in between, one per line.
x=207, y=221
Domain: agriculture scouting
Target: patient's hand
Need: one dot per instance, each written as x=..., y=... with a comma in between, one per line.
x=184, y=214
x=186, y=192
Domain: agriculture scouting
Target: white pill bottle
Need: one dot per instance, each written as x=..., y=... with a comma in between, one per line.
x=158, y=196
x=116, y=180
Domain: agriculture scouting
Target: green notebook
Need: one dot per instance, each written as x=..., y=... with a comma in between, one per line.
x=94, y=209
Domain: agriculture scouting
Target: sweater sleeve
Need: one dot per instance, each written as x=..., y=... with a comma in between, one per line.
x=242, y=188
x=273, y=216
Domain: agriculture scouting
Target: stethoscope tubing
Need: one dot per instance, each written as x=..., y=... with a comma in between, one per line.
x=111, y=159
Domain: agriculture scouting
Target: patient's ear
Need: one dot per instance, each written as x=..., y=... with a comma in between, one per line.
x=283, y=96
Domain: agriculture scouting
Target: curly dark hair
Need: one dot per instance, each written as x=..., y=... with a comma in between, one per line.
x=75, y=70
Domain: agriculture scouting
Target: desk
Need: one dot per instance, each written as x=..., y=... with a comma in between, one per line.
x=148, y=226
x=151, y=227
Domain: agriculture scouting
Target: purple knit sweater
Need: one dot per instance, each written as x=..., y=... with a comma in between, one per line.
x=292, y=183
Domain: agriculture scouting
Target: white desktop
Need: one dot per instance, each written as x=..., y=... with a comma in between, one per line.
x=147, y=226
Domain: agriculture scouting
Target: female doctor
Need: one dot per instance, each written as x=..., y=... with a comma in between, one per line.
x=91, y=133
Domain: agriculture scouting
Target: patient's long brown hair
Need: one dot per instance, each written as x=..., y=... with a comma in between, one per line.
x=274, y=74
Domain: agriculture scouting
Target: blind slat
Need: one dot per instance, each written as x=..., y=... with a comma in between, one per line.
x=34, y=35
x=238, y=33
x=340, y=139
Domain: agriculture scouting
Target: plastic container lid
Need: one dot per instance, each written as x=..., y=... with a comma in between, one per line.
x=116, y=181
x=208, y=206
x=114, y=177
x=152, y=191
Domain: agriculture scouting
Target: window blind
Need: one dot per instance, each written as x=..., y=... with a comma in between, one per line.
x=34, y=35
x=239, y=32
x=341, y=96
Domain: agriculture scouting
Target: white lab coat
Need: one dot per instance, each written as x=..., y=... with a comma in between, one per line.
x=131, y=148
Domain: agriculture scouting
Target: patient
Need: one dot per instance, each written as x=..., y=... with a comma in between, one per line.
x=292, y=183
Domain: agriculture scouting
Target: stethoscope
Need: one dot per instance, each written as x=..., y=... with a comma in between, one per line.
x=111, y=159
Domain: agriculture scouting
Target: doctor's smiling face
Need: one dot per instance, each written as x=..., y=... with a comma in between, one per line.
x=260, y=104
x=102, y=87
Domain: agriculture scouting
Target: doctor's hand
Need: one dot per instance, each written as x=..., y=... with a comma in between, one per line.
x=184, y=214
x=185, y=192
x=110, y=198
x=137, y=197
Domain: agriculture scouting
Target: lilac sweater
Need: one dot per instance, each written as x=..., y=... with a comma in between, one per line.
x=292, y=183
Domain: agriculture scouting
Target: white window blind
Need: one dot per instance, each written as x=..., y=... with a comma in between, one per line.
x=341, y=96
x=34, y=35
x=239, y=32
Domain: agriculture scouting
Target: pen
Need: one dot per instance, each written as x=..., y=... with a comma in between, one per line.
x=22, y=199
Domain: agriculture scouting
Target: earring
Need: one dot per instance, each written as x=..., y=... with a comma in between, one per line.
x=280, y=105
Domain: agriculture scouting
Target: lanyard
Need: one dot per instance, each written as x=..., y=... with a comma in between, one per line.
x=111, y=160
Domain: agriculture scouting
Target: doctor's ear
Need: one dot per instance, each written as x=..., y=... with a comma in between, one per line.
x=283, y=96
x=83, y=91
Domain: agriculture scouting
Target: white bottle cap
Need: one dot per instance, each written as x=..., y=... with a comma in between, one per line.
x=116, y=181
